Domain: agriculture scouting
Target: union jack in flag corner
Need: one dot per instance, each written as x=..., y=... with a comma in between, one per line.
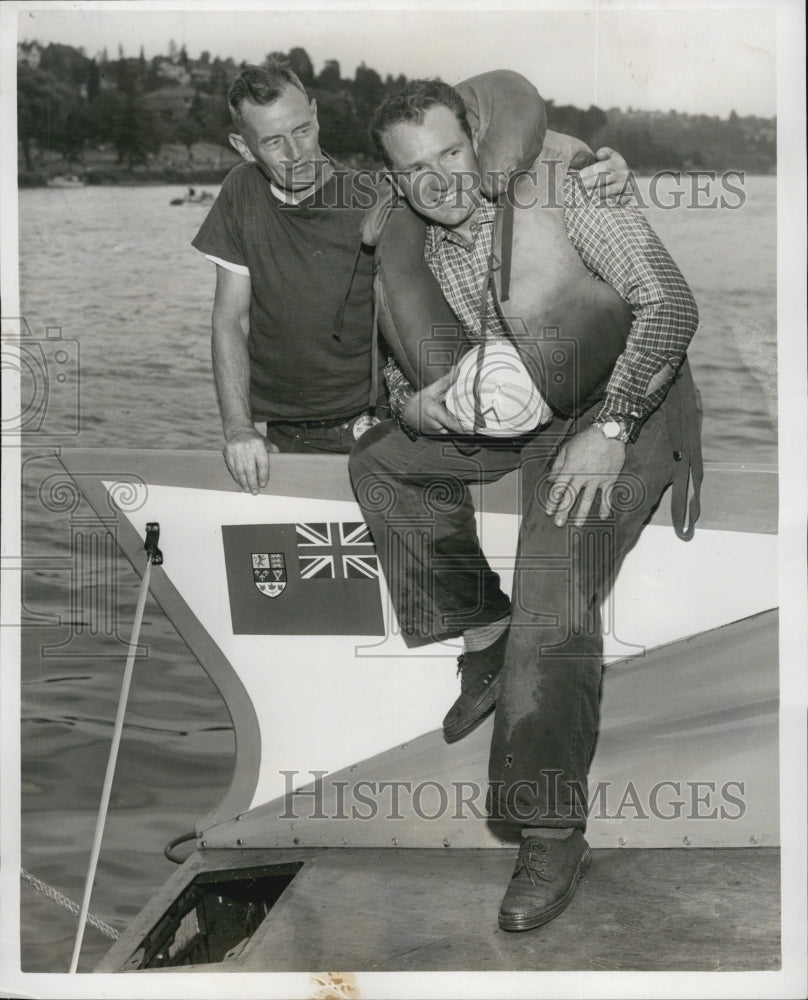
x=336, y=550
x=320, y=578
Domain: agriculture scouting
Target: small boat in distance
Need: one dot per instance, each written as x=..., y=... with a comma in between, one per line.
x=66, y=181
x=194, y=197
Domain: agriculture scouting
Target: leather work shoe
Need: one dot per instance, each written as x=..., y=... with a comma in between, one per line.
x=480, y=681
x=544, y=880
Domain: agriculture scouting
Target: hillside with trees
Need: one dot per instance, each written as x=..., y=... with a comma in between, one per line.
x=129, y=119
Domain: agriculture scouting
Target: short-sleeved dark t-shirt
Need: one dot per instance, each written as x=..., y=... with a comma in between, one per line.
x=311, y=323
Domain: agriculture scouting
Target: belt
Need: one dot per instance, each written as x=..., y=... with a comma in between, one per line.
x=317, y=424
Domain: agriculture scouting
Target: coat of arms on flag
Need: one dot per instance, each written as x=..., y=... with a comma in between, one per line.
x=328, y=574
x=269, y=573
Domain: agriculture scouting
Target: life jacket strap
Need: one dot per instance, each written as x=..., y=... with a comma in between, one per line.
x=374, y=352
x=506, y=208
x=686, y=418
x=488, y=288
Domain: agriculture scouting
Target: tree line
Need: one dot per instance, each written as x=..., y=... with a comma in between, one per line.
x=72, y=104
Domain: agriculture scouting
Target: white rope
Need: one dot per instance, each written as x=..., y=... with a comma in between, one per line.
x=68, y=904
x=113, y=756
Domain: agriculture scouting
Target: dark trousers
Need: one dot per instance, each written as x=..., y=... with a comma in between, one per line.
x=415, y=498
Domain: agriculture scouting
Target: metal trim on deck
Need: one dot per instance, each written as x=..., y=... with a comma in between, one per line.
x=683, y=759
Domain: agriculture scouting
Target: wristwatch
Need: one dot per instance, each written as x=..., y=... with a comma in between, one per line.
x=613, y=429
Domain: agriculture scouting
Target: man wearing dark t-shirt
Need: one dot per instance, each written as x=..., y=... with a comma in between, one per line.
x=292, y=314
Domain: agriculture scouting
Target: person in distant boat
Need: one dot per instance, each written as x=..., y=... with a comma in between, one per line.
x=293, y=335
x=588, y=301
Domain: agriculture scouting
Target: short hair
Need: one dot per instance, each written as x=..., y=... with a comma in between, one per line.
x=410, y=105
x=260, y=85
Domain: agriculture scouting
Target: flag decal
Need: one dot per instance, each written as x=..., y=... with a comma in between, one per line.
x=327, y=572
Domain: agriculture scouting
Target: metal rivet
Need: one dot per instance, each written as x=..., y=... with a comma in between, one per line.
x=344, y=841
x=687, y=841
x=395, y=841
x=447, y=842
x=203, y=843
x=753, y=839
x=621, y=841
x=295, y=840
x=405, y=746
x=240, y=842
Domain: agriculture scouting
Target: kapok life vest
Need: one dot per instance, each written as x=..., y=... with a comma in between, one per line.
x=568, y=326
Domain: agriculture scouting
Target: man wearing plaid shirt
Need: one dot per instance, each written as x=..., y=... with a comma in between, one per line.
x=538, y=656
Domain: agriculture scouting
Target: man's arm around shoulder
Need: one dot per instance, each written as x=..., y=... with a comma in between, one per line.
x=245, y=451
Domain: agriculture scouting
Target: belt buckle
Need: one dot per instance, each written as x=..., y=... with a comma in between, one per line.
x=363, y=423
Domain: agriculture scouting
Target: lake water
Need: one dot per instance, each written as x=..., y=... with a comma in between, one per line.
x=112, y=267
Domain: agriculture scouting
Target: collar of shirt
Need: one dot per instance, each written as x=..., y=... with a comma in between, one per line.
x=290, y=197
x=285, y=196
x=437, y=235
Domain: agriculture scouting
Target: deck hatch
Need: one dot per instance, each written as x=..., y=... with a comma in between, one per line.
x=214, y=916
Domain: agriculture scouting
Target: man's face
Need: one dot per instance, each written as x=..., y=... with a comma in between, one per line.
x=283, y=138
x=435, y=166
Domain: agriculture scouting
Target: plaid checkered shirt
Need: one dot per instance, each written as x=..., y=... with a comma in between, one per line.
x=617, y=245
x=460, y=267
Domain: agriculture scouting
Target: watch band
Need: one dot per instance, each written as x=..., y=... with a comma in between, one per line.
x=614, y=430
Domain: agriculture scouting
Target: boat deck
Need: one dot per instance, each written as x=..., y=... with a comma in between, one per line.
x=428, y=910
x=691, y=709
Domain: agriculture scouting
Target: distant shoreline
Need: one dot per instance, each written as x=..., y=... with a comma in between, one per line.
x=139, y=176
x=162, y=176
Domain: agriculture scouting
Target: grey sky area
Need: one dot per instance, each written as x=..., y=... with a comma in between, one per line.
x=709, y=61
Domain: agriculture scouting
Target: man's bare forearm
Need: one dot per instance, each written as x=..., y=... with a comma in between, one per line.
x=231, y=374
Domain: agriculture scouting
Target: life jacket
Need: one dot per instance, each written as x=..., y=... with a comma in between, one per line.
x=568, y=326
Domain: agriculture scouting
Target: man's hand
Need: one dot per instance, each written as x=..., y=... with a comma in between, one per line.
x=246, y=456
x=425, y=411
x=587, y=463
x=608, y=176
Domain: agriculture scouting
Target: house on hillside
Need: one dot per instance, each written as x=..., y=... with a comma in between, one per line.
x=201, y=75
x=171, y=103
x=170, y=70
x=29, y=53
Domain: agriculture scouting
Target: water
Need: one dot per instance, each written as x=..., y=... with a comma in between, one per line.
x=112, y=267
x=114, y=270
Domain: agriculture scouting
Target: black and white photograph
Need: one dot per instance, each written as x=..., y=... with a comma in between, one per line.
x=404, y=500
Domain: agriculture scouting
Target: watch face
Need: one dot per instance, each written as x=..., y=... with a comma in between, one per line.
x=611, y=429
